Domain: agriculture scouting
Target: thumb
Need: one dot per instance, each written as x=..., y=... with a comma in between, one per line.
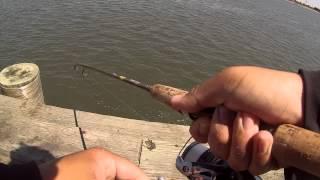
x=123, y=166
x=186, y=103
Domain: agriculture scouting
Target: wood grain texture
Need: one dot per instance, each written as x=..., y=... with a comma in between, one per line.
x=168, y=140
x=133, y=128
x=36, y=112
x=161, y=160
x=33, y=132
x=22, y=81
x=23, y=140
x=273, y=175
x=118, y=143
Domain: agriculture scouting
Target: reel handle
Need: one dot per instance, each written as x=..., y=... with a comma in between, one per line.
x=293, y=146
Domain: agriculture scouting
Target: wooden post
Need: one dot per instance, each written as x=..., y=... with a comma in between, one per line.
x=22, y=81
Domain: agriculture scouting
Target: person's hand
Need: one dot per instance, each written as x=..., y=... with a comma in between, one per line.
x=92, y=164
x=243, y=97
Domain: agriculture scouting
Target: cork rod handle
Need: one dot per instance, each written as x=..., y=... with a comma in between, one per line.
x=297, y=147
x=164, y=93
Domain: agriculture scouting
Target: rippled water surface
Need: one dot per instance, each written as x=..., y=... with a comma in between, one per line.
x=174, y=42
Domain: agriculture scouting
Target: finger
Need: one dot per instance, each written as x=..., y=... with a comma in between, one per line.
x=186, y=103
x=219, y=137
x=210, y=93
x=245, y=126
x=200, y=128
x=240, y=89
x=261, y=160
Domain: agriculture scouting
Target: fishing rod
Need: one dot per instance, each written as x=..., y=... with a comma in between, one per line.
x=116, y=76
x=160, y=92
x=292, y=145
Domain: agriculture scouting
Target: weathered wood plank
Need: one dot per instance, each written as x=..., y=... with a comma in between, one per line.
x=123, y=145
x=313, y=4
x=273, y=175
x=133, y=128
x=124, y=136
x=168, y=139
x=160, y=161
x=44, y=132
x=38, y=113
x=23, y=140
x=35, y=132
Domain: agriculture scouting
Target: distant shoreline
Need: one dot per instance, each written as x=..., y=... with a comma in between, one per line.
x=315, y=6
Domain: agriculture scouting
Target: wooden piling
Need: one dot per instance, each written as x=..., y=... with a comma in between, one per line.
x=22, y=81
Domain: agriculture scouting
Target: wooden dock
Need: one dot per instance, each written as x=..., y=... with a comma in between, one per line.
x=313, y=4
x=42, y=132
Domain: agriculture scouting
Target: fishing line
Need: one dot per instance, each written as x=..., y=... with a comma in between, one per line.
x=185, y=145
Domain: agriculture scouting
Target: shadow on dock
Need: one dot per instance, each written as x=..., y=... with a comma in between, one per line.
x=26, y=153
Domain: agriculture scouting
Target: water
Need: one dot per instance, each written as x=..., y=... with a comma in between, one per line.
x=174, y=42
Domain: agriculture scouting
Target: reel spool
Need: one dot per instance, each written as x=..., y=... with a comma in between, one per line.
x=198, y=163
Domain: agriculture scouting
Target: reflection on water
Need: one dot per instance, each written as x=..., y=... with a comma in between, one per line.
x=174, y=42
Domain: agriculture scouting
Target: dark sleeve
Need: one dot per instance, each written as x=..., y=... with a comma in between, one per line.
x=311, y=95
x=27, y=171
x=311, y=109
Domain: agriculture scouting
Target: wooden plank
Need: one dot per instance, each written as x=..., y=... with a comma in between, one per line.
x=313, y=4
x=133, y=128
x=40, y=113
x=35, y=132
x=23, y=140
x=160, y=161
x=30, y=132
x=169, y=139
x=273, y=175
x=123, y=145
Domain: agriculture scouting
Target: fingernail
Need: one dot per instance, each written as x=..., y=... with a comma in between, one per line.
x=262, y=147
x=203, y=128
x=240, y=119
x=225, y=115
x=219, y=114
x=175, y=101
x=176, y=98
x=246, y=121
